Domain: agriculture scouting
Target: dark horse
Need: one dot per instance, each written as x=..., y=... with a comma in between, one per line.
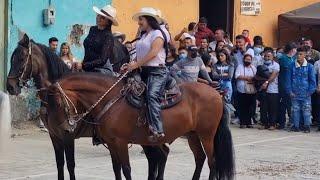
x=33, y=60
x=200, y=116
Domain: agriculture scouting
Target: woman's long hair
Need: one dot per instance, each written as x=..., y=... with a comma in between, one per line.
x=70, y=55
x=226, y=53
x=109, y=25
x=153, y=23
x=173, y=51
x=216, y=49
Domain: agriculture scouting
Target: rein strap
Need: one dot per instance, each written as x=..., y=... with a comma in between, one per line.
x=78, y=117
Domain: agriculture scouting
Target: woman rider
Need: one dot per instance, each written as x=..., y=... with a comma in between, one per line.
x=151, y=56
x=98, y=45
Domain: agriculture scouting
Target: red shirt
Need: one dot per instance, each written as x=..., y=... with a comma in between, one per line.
x=205, y=33
x=247, y=39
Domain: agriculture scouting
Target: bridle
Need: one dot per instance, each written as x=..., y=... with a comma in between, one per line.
x=75, y=117
x=23, y=75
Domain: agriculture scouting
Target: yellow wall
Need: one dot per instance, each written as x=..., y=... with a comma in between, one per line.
x=266, y=23
x=179, y=13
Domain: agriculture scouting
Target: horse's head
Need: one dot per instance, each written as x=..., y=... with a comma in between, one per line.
x=21, y=66
x=34, y=60
x=58, y=119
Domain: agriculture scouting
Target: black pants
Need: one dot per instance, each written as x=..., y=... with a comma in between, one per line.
x=155, y=79
x=315, y=102
x=235, y=98
x=285, y=107
x=246, y=103
x=254, y=108
x=269, y=108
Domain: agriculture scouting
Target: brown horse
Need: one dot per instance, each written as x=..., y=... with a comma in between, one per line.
x=33, y=60
x=199, y=116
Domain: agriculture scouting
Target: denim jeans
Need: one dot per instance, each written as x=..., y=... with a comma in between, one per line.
x=155, y=79
x=227, y=87
x=301, y=108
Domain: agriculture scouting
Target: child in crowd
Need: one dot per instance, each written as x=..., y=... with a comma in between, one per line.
x=172, y=56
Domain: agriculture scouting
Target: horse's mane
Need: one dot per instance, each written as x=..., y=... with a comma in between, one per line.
x=85, y=76
x=56, y=67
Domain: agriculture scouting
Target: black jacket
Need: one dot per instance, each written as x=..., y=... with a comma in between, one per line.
x=98, y=47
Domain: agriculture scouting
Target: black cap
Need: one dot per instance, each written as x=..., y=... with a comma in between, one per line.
x=203, y=20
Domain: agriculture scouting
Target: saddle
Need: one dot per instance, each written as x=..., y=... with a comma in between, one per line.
x=136, y=90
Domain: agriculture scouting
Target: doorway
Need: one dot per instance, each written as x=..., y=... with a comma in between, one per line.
x=219, y=14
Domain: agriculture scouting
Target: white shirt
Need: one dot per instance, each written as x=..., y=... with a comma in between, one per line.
x=239, y=56
x=257, y=60
x=213, y=44
x=244, y=71
x=273, y=86
x=143, y=46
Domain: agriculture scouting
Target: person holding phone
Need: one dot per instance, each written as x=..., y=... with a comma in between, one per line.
x=187, y=33
x=203, y=31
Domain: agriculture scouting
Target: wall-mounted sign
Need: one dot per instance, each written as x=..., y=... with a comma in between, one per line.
x=250, y=7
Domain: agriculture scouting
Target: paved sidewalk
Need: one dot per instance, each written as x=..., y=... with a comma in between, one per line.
x=259, y=155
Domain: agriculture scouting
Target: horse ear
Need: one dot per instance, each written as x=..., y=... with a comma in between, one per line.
x=25, y=41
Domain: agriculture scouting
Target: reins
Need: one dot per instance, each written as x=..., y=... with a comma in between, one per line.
x=74, y=119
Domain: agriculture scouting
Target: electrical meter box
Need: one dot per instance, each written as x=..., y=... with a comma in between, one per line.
x=49, y=16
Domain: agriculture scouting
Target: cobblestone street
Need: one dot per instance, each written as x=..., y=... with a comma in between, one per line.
x=259, y=155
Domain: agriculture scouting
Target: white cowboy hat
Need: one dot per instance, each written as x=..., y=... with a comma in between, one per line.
x=109, y=12
x=147, y=11
x=160, y=15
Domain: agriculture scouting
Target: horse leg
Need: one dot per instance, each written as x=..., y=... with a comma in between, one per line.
x=69, y=151
x=123, y=155
x=150, y=153
x=115, y=161
x=207, y=143
x=199, y=154
x=163, y=154
x=59, y=153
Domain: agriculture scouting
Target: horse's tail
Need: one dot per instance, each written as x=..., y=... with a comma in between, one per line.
x=224, y=166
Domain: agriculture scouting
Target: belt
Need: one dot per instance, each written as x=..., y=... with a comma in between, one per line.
x=160, y=66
